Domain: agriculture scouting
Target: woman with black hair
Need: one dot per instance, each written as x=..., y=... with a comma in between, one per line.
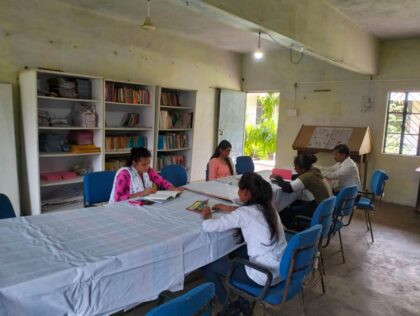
x=137, y=178
x=220, y=165
x=309, y=178
x=261, y=228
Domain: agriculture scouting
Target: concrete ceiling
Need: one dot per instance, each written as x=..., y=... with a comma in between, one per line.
x=179, y=20
x=386, y=19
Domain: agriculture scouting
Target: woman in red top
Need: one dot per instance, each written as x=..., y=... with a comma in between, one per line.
x=220, y=165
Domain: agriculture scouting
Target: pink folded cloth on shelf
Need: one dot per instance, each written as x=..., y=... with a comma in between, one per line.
x=58, y=175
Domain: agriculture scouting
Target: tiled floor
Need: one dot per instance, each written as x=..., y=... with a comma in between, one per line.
x=380, y=279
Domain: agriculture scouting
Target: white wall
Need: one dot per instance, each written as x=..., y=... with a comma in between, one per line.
x=399, y=70
x=54, y=35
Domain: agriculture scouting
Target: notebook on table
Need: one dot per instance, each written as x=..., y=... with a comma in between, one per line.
x=286, y=174
x=162, y=196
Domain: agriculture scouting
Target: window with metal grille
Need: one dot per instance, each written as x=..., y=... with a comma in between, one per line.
x=403, y=124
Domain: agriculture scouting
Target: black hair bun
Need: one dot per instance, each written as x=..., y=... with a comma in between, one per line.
x=312, y=159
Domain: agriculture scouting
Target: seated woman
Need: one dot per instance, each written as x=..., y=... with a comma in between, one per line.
x=137, y=179
x=309, y=178
x=220, y=165
x=261, y=228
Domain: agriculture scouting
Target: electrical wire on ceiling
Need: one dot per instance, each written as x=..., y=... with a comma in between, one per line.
x=291, y=49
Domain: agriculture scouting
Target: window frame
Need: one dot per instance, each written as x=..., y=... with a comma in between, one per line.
x=402, y=134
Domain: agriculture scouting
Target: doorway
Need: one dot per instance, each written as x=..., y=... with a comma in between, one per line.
x=261, y=118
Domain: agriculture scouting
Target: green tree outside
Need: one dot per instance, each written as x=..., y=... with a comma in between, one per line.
x=260, y=139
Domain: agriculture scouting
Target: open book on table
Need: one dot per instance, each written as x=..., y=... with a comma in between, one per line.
x=198, y=206
x=161, y=196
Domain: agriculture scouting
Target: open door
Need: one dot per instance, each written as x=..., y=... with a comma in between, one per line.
x=232, y=107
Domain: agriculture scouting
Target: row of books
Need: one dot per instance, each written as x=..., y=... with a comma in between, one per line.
x=172, y=141
x=175, y=119
x=115, y=164
x=164, y=160
x=130, y=120
x=115, y=92
x=169, y=99
x=117, y=143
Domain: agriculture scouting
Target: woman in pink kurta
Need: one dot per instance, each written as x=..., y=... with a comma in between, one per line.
x=138, y=179
x=220, y=165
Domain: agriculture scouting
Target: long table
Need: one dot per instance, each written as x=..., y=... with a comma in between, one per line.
x=96, y=261
x=100, y=260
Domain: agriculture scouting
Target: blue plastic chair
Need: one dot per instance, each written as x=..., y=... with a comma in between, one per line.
x=97, y=187
x=323, y=216
x=244, y=164
x=344, y=207
x=377, y=188
x=195, y=302
x=175, y=174
x=297, y=262
x=6, y=207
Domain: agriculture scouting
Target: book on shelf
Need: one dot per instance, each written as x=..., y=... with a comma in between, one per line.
x=84, y=149
x=161, y=196
x=175, y=119
x=169, y=99
x=126, y=93
x=164, y=160
x=116, y=143
x=172, y=141
x=115, y=164
x=130, y=120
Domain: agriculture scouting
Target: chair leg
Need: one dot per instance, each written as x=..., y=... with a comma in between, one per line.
x=322, y=261
x=370, y=226
x=302, y=301
x=341, y=246
x=322, y=281
x=366, y=219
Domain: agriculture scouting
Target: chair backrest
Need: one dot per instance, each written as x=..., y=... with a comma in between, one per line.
x=244, y=164
x=97, y=187
x=298, y=259
x=6, y=207
x=195, y=302
x=175, y=174
x=377, y=182
x=207, y=172
x=323, y=215
x=345, y=200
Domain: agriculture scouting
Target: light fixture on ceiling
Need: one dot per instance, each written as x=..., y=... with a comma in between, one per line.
x=258, y=54
x=148, y=25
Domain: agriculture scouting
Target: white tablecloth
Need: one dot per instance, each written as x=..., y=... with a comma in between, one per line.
x=227, y=188
x=96, y=261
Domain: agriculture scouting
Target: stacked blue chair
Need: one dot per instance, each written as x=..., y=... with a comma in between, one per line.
x=6, y=208
x=298, y=261
x=366, y=201
x=323, y=216
x=344, y=207
x=175, y=174
x=97, y=187
x=244, y=164
x=195, y=302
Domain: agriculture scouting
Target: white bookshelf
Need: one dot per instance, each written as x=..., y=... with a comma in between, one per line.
x=36, y=95
x=170, y=140
x=122, y=98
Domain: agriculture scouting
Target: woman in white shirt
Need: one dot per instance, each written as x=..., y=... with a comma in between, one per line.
x=261, y=228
